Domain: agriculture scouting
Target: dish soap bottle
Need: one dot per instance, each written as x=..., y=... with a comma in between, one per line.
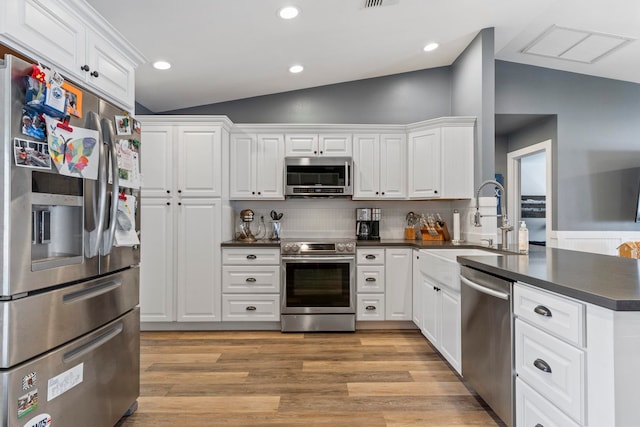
x=523, y=238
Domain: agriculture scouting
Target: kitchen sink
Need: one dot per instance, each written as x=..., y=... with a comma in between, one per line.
x=442, y=266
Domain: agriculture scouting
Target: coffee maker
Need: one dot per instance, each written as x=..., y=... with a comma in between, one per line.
x=368, y=223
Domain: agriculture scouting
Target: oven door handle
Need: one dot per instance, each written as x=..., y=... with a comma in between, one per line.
x=318, y=258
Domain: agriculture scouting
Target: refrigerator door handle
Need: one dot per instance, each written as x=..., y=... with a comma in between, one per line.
x=92, y=292
x=93, y=344
x=109, y=140
x=95, y=203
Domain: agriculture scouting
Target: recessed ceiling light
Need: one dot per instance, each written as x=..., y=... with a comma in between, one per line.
x=430, y=47
x=288, y=12
x=161, y=65
x=296, y=69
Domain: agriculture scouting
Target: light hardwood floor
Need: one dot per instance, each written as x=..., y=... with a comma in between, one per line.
x=266, y=378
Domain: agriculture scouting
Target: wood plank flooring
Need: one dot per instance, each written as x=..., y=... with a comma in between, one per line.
x=266, y=378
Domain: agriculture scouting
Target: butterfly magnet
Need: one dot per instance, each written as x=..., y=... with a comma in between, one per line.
x=74, y=151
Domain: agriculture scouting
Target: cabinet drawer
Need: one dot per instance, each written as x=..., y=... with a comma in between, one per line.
x=555, y=314
x=370, y=256
x=370, y=307
x=552, y=367
x=534, y=410
x=370, y=278
x=250, y=308
x=242, y=256
x=251, y=278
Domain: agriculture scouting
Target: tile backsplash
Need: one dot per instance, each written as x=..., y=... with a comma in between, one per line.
x=335, y=218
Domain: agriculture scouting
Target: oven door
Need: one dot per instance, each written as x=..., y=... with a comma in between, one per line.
x=318, y=284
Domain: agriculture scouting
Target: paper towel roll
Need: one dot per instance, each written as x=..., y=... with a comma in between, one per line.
x=456, y=225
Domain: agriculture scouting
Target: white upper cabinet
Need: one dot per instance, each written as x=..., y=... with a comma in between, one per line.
x=199, y=161
x=424, y=164
x=441, y=159
x=156, y=160
x=380, y=166
x=256, y=167
x=312, y=145
x=72, y=38
x=181, y=159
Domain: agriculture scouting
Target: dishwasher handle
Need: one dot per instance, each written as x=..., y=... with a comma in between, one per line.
x=484, y=289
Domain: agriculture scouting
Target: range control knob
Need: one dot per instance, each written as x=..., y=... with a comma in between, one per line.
x=286, y=248
x=295, y=247
x=340, y=247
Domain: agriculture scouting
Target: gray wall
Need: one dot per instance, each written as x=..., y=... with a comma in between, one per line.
x=473, y=88
x=397, y=99
x=597, y=149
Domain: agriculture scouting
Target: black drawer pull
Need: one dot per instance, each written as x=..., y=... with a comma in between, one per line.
x=251, y=257
x=539, y=425
x=542, y=311
x=251, y=308
x=371, y=279
x=542, y=365
x=251, y=279
x=370, y=307
x=370, y=257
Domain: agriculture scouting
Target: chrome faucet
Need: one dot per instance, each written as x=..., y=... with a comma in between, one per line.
x=505, y=227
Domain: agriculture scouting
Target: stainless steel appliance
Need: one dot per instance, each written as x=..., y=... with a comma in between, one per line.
x=368, y=223
x=318, y=176
x=69, y=341
x=318, y=286
x=487, y=337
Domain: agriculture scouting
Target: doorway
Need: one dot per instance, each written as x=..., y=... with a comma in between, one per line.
x=529, y=193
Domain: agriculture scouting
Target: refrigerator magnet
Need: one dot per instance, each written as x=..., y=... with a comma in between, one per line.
x=74, y=100
x=31, y=154
x=123, y=125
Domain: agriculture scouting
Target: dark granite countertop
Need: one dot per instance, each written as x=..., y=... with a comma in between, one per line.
x=608, y=281
x=257, y=244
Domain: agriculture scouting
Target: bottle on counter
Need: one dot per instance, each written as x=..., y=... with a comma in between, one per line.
x=523, y=238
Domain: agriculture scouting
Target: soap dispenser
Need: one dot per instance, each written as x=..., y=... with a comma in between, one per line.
x=523, y=238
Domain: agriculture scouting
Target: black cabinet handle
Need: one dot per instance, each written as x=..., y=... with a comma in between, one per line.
x=179, y=191
x=315, y=152
x=253, y=192
x=371, y=279
x=383, y=193
x=179, y=203
x=321, y=152
x=251, y=308
x=85, y=67
x=251, y=279
x=542, y=311
x=259, y=193
x=370, y=257
x=168, y=191
x=435, y=191
x=95, y=74
x=370, y=307
x=168, y=203
x=251, y=257
x=542, y=365
x=539, y=425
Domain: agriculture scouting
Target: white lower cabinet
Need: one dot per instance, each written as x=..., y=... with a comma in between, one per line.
x=384, y=284
x=440, y=320
x=180, y=260
x=534, y=410
x=251, y=284
x=547, y=360
x=251, y=308
x=416, y=290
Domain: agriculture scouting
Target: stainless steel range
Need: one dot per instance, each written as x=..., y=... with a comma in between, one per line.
x=318, y=285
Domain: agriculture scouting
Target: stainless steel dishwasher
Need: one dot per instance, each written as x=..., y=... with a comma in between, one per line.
x=487, y=334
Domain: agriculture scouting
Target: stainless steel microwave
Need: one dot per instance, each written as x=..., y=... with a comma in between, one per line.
x=318, y=176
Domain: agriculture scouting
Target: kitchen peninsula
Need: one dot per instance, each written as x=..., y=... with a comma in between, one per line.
x=577, y=334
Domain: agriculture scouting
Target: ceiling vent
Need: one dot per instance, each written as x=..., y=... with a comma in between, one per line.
x=569, y=44
x=368, y=4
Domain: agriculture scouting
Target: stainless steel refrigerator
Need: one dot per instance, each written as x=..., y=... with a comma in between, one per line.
x=69, y=316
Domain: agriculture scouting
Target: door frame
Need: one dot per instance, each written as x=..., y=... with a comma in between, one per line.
x=513, y=180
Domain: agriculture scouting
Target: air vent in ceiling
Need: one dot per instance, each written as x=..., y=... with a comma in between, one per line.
x=569, y=44
x=367, y=4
